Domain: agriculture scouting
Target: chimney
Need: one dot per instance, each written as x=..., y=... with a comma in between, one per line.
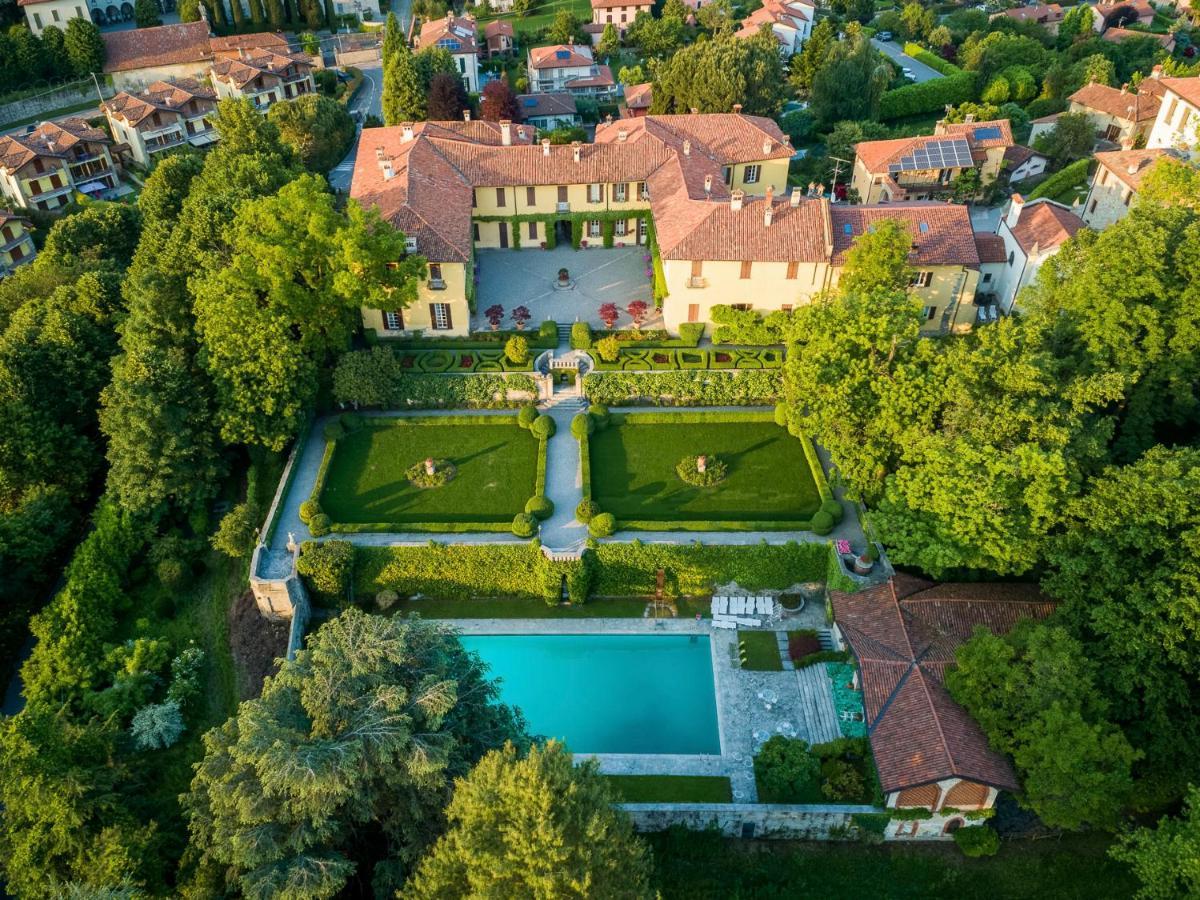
x=969, y=118
x=385, y=166
x=735, y=200
x=506, y=132
x=737, y=109
x=797, y=192
x=1156, y=72
x=608, y=119
x=466, y=115
x=522, y=133
x=766, y=146
x=449, y=16
x=408, y=131
x=1132, y=168
x=1014, y=210
x=821, y=190
x=687, y=148
x=379, y=154
x=707, y=184
x=695, y=111
x=1125, y=88
x=622, y=134
x=769, y=211
x=545, y=146
x=575, y=150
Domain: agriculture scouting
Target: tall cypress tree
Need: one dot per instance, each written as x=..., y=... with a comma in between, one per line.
x=257, y=15
x=403, y=96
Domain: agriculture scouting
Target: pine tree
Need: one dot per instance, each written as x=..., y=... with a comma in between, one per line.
x=393, y=37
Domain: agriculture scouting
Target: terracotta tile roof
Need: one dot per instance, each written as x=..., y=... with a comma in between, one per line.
x=602, y=78
x=1108, y=9
x=980, y=135
x=1132, y=106
x=496, y=28
x=1131, y=166
x=613, y=4
x=990, y=247
x=171, y=96
x=241, y=70
x=529, y=165
x=1045, y=120
x=259, y=40
x=905, y=633
x=1187, y=88
x=796, y=234
x=576, y=56
x=165, y=45
x=1043, y=224
x=941, y=232
x=451, y=29
x=551, y=103
x=1047, y=14
x=1117, y=35
x=639, y=96
x=786, y=14
x=7, y=215
x=50, y=140
x=1018, y=154
x=727, y=138
x=878, y=155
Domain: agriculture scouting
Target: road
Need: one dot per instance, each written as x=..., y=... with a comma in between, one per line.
x=921, y=72
x=368, y=102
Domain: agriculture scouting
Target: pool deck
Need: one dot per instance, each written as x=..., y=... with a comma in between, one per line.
x=744, y=722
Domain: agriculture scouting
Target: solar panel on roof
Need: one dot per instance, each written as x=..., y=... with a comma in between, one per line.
x=562, y=54
x=935, y=155
x=990, y=133
x=531, y=101
x=848, y=228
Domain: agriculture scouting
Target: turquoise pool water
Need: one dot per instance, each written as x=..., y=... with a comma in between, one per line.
x=609, y=693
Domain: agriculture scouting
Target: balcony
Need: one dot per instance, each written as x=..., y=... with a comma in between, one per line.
x=436, y=284
x=5, y=246
x=91, y=171
x=564, y=206
x=697, y=281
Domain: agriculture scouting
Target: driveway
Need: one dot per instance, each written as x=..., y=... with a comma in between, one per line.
x=892, y=49
x=369, y=101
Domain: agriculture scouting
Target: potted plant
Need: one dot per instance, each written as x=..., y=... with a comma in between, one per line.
x=609, y=314
x=564, y=277
x=543, y=245
x=494, y=314
x=638, y=309
x=520, y=316
x=865, y=561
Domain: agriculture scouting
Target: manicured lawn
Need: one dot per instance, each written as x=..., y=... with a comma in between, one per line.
x=672, y=788
x=497, y=468
x=760, y=650
x=544, y=16
x=633, y=472
x=537, y=609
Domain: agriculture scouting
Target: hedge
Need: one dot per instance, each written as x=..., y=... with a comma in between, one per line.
x=460, y=362
x=585, y=467
x=928, y=96
x=461, y=572
x=703, y=387
x=690, y=334
x=542, y=339
x=376, y=378
x=666, y=359
x=814, y=464
x=935, y=62
x=1064, y=178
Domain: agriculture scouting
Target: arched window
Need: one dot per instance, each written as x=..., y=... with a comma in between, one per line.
x=926, y=795
x=952, y=826
x=966, y=795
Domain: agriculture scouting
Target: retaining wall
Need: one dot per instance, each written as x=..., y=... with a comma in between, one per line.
x=54, y=100
x=749, y=820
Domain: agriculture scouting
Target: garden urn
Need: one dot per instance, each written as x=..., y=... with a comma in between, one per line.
x=429, y=467
x=701, y=464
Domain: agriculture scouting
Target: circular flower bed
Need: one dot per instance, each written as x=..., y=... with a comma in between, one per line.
x=419, y=476
x=714, y=472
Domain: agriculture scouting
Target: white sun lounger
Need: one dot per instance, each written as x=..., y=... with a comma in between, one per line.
x=748, y=622
x=721, y=623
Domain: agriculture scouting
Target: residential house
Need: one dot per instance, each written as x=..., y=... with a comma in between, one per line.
x=41, y=14
x=1048, y=15
x=1115, y=185
x=263, y=75
x=992, y=259
x=569, y=67
x=618, y=13
x=1121, y=116
x=548, y=111
x=925, y=167
x=457, y=35
x=1114, y=13
x=139, y=57
x=791, y=21
x=16, y=242
x=166, y=115
x=1021, y=163
x=928, y=751
x=499, y=37
x=639, y=98
x=42, y=169
x=1120, y=35
x=1178, y=122
x=1042, y=125
x=1032, y=233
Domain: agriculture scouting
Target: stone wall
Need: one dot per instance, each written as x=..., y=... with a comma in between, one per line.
x=369, y=56
x=748, y=820
x=75, y=94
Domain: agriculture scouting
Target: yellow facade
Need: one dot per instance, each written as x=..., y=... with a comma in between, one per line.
x=16, y=244
x=771, y=172
x=872, y=188
x=551, y=200
x=448, y=291
x=30, y=189
x=58, y=13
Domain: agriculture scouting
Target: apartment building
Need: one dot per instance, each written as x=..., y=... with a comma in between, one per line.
x=457, y=35
x=926, y=167
x=791, y=21
x=166, y=115
x=569, y=67
x=42, y=169
x=16, y=242
x=263, y=75
x=1177, y=124
x=712, y=186
x=618, y=13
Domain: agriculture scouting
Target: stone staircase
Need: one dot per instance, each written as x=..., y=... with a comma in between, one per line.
x=564, y=334
x=825, y=636
x=816, y=705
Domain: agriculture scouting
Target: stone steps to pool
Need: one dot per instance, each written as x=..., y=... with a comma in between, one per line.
x=816, y=705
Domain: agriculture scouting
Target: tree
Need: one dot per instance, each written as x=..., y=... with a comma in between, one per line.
x=146, y=13
x=54, y=45
x=812, y=57
x=1096, y=68
x=851, y=82
x=610, y=41
x=786, y=769
x=403, y=96
x=497, y=101
x=1166, y=859
x=318, y=128
x=85, y=47
x=1071, y=138
x=717, y=17
x=878, y=260
x=628, y=75
x=189, y=11
x=157, y=726
x=393, y=38
x=346, y=758
x=1076, y=22
x=534, y=826
x=917, y=21
x=656, y=38
x=565, y=29
x=712, y=76
x=447, y=97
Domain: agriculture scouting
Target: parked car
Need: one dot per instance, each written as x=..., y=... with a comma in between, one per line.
x=884, y=36
x=908, y=73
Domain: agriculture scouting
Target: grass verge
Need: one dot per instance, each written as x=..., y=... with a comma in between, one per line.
x=671, y=788
x=760, y=651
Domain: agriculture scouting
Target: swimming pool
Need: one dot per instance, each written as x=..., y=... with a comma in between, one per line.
x=609, y=693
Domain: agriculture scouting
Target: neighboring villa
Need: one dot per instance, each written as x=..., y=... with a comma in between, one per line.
x=1121, y=116
x=1115, y=185
x=42, y=169
x=569, y=67
x=1178, y=121
x=928, y=751
x=1120, y=35
x=165, y=115
x=1021, y=163
x=1109, y=13
x=1048, y=15
x=499, y=37
x=548, y=111
x=41, y=14
x=263, y=75
x=16, y=243
x=1032, y=233
x=791, y=21
x=922, y=168
x=457, y=35
x=137, y=58
x=454, y=187
x=618, y=13
x=639, y=98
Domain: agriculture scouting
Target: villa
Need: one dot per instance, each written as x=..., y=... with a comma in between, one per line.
x=1120, y=116
x=163, y=116
x=42, y=169
x=16, y=243
x=619, y=13
x=712, y=187
x=1032, y=232
x=264, y=75
x=458, y=37
x=569, y=67
x=1115, y=185
x=791, y=22
x=1178, y=122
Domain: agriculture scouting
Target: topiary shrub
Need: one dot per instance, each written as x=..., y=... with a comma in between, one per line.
x=582, y=425
x=781, y=415
x=351, y=421
x=524, y=525
x=822, y=522
x=599, y=412
x=334, y=431
x=587, y=510
x=715, y=470
x=977, y=840
x=308, y=509
x=386, y=599
x=516, y=350
x=609, y=348
x=581, y=336
x=171, y=572
x=548, y=330
x=543, y=428
x=527, y=415
x=834, y=509
x=320, y=525
x=327, y=569
x=420, y=477
x=540, y=506
x=602, y=525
